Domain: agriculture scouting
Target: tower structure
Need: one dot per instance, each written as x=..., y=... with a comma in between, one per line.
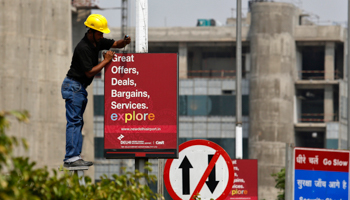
x=273, y=74
x=35, y=53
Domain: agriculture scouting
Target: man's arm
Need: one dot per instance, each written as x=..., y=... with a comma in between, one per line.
x=122, y=43
x=96, y=69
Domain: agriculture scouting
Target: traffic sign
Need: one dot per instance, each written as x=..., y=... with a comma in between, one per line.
x=321, y=174
x=203, y=168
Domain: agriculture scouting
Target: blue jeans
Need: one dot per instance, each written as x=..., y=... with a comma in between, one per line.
x=76, y=99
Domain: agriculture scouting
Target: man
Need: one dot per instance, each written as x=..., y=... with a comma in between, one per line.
x=83, y=68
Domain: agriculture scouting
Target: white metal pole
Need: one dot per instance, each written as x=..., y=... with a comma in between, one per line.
x=239, y=134
x=141, y=46
x=141, y=38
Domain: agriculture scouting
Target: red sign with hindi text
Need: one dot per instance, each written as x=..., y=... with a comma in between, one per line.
x=321, y=159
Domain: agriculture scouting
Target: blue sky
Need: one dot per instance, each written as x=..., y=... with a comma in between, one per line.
x=172, y=13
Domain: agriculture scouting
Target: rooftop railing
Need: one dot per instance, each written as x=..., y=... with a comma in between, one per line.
x=317, y=118
x=317, y=74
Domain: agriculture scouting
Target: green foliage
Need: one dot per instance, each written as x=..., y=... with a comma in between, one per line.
x=20, y=179
x=197, y=197
x=7, y=143
x=280, y=178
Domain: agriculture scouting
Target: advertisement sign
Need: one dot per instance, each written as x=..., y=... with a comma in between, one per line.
x=321, y=174
x=245, y=184
x=141, y=106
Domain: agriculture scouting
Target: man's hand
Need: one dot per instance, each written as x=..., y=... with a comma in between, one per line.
x=108, y=56
x=122, y=42
x=127, y=39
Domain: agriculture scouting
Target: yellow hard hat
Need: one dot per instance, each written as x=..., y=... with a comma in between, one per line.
x=97, y=22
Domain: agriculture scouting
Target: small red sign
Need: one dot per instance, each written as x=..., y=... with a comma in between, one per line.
x=245, y=184
x=321, y=159
x=141, y=106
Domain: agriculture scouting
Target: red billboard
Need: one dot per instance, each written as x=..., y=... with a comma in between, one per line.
x=245, y=184
x=141, y=106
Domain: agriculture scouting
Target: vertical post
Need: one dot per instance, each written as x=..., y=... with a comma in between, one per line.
x=289, y=171
x=160, y=179
x=124, y=18
x=348, y=74
x=80, y=174
x=141, y=40
x=182, y=60
x=141, y=37
x=239, y=134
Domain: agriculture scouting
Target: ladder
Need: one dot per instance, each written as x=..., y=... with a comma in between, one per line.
x=79, y=171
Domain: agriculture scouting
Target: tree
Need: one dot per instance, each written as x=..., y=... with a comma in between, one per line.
x=20, y=179
x=280, y=178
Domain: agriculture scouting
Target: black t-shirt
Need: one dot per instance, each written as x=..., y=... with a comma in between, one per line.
x=85, y=57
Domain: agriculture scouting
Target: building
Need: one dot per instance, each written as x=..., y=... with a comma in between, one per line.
x=35, y=54
x=293, y=87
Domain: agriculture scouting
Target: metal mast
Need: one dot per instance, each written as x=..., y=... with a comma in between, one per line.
x=124, y=18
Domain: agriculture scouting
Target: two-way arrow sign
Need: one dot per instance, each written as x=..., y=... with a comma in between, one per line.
x=203, y=168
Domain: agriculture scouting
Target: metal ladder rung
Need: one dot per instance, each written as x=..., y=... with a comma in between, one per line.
x=78, y=171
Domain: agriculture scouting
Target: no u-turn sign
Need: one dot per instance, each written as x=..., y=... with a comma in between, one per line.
x=203, y=168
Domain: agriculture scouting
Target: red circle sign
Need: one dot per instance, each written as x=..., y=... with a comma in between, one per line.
x=203, y=168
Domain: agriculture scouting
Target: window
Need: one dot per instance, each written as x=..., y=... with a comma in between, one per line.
x=226, y=143
x=315, y=139
x=99, y=147
x=313, y=62
x=99, y=105
x=212, y=105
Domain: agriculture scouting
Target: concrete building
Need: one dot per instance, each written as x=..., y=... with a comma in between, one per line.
x=35, y=55
x=294, y=89
x=293, y=86
x=35, y=52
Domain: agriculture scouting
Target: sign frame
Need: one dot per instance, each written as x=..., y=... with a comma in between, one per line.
x=154, y=153
x=219, y=152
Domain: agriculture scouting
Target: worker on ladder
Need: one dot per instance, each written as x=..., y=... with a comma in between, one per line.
x=83, y=68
